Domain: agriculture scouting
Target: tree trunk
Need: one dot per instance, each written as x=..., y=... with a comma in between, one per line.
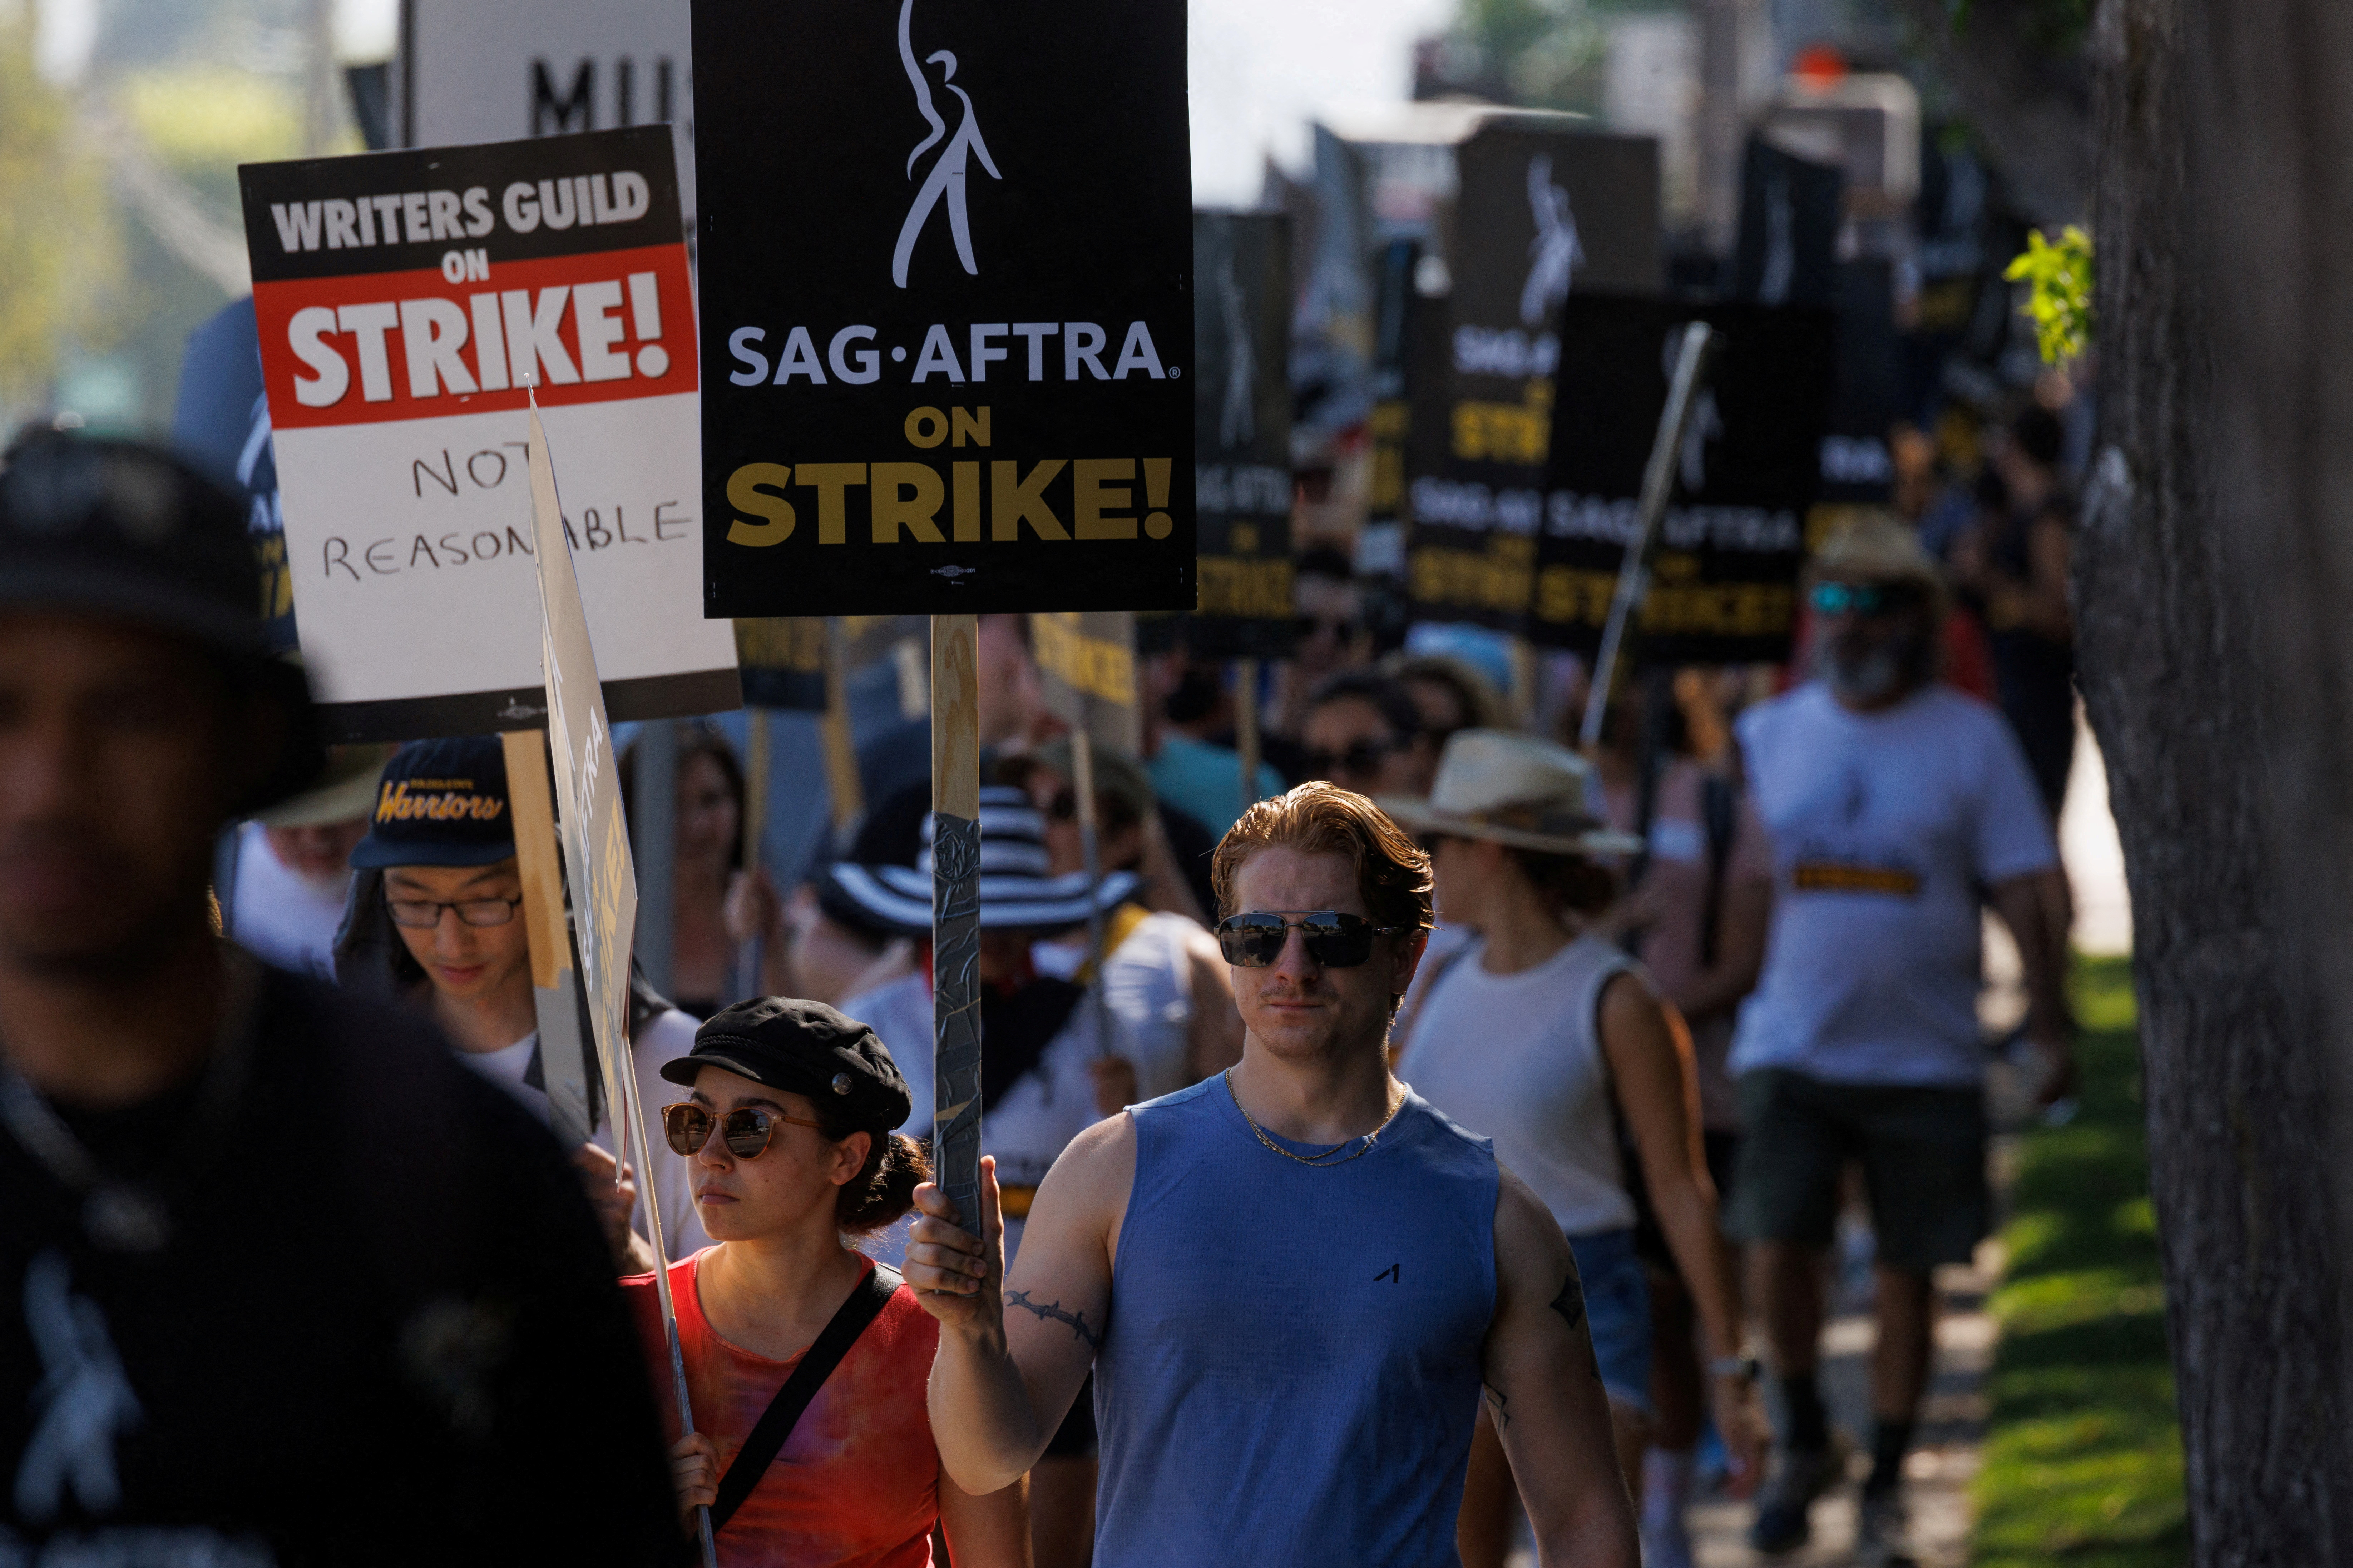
x=2215, y=653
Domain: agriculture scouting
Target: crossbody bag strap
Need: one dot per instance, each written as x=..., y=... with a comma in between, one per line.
x=776, y=1424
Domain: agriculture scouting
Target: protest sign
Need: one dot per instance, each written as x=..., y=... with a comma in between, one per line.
x=471, y=72
x=946, y=263
x=1398, y=307
x=221, y=418
x=1791, y=209
x=404, y=300
x=1086, y=666
x=1242, y=403
x=1542, y=213
x=1732, y=541
x=564, y=1056
x=598, y=866
x=1858, y=466
x=782, y=661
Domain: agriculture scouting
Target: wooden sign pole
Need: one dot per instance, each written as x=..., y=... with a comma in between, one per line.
x=841, y=753
x=555, y=999
x=1246, y=742
x=1082, y=786
x=656, y=786
x=749, y=956
x=955, y=914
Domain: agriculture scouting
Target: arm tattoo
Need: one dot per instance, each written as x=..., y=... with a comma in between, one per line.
x=1053, y=1310
x=1497, y=1400
x=1570, y=1302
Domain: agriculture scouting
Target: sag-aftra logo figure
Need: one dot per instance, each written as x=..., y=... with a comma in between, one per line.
x=947, y=180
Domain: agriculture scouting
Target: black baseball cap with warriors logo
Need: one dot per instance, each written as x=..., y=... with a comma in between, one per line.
x=442, y=803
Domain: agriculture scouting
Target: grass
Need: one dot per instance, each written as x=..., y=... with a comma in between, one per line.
x=2083, y=1467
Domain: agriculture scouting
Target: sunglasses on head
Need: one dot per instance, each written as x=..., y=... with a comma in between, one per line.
x=1361, y=760
x=746, y=1130
x=1334, y=941
x=1860, y=598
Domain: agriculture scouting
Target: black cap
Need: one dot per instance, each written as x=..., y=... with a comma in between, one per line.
x=134, y=533
x=442, y=803
x=803, y=1047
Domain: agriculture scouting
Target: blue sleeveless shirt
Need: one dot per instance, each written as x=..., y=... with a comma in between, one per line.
x=1292, y=1366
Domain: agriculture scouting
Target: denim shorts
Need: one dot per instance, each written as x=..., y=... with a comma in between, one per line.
x=1618, y=1313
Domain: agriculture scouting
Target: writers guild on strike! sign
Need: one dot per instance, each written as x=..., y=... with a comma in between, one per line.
x=953, y=343
x=404, y=302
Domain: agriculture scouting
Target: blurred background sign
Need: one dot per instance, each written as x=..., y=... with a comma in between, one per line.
x=1544, y=212
x=1730, y=548
x=1241, y=425
x=1086, y=662
x=470, y=71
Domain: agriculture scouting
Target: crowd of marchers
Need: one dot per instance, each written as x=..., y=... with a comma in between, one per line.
x=1442, y=1135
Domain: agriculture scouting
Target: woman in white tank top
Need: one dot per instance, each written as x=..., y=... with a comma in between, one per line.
x=1540, y=1035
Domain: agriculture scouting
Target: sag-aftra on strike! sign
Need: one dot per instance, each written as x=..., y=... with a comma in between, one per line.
x=946, y=253
x=404, y=301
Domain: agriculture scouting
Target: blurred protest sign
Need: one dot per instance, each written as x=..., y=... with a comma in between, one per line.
x=1086, y=664
x=782, y=660
x=949, y=349
x=1242, y=399
x=221, y=418
x=1542, y=212
x=598, y=869
x=1732, y=541
x=564, y=1055
x=1398, y=307
x=1858, y=466
x=471, y=72
x=1791, y=209
x=404, y=300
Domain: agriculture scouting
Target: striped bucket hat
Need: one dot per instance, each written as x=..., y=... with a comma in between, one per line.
x=1016, y=891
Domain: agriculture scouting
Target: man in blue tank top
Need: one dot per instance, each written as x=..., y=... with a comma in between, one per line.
x=1293, y=1282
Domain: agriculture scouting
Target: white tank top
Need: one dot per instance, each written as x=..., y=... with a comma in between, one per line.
x=1517, y=1057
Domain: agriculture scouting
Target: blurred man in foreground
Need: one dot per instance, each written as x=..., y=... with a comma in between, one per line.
x=257, y=1302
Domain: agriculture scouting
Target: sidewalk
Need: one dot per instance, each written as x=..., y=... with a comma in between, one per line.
x=1952, y=1430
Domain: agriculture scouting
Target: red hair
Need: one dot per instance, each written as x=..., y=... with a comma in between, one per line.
x=1321, y=818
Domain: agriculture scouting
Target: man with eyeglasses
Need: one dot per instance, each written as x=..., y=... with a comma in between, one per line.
x=438, y=861
x=1292, y=1282
x=278, y=1282
x=1896, y=808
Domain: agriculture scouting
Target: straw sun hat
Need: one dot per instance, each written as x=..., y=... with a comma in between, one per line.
x=1514, y=790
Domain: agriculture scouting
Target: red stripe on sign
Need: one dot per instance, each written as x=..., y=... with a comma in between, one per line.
x=464, y=337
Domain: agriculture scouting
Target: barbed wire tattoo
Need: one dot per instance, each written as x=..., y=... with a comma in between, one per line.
x=1053, y=1310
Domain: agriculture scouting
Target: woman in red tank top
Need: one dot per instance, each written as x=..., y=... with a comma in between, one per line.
x=788, y=1130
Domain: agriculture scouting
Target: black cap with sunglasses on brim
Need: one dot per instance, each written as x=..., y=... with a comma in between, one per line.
x=803, y=1047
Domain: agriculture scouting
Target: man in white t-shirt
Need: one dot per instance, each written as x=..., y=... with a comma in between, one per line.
x=1897, y=809
x=441, y=839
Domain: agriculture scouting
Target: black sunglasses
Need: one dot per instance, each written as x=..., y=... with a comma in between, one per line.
x=1344, y=629
x=1334, y=941
x=1361, y=760
x=746, y=1130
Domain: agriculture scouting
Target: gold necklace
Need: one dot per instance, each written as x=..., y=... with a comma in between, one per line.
x=1325, y=1158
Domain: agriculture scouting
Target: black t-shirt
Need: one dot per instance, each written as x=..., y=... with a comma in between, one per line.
x=384, y=1328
